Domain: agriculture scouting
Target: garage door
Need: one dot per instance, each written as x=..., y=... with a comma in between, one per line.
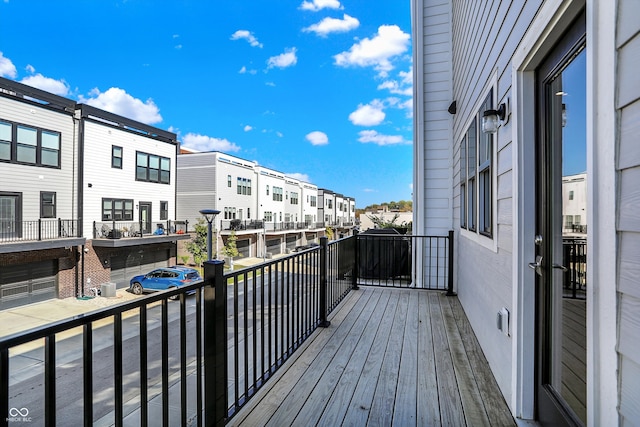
x=124, y=267
x=28, y=283
x=273, y=246
x=244, y=247
x=292, y=241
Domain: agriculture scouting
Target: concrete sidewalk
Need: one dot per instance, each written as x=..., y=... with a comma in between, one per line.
x=23, y=318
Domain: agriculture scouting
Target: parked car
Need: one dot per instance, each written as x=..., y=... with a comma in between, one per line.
x=162, y=279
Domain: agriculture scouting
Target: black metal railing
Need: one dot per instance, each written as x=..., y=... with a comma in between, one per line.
x=40, y=229
x=405, y=261
x=574, y=259
x=126, y=229
x=109, y=364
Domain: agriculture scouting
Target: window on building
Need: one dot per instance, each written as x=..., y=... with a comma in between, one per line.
x=229, y=181
x=571, y=195
x=476, y=176
x=164, y=210
x=47, y=204
x=268, y=216
x=568, y=221
x=116, y=157
x=117, y=209
x=11, y=214
x=577, y=219
x=152, y=168
x=277, y=194
x=314, y=201
x=294, y=198
x=244, y=186
x=29, y=145
x=267, y=190
x=229, y=213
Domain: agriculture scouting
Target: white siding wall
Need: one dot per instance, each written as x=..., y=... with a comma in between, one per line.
x=108, y=182
x=309, y=190
x=30, y=180
x=628, y=106
x=228, y=196
x=266, y=202
x=295, y=211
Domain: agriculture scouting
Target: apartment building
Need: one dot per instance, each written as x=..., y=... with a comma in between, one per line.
x=86, y=197
x=268, y=212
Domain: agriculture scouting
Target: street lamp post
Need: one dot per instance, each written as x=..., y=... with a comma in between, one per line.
x=209, y=215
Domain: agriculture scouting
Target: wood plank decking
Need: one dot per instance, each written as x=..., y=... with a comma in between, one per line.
x=402, y=357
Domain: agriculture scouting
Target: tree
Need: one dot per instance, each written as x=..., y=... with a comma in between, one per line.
x=329, y=233
x=197, y=246
x=230, y=249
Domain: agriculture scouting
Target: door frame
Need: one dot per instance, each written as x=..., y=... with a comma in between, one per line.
x=549, y=23
x=150, y=222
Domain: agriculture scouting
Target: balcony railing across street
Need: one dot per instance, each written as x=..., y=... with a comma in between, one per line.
x=232, y=336
x=40, y=229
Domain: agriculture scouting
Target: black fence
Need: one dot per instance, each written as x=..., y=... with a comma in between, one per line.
x=40, y=229
x=210, y=352
x=574, y=260
x=405, y=261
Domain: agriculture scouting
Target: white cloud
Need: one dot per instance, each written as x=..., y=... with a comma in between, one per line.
x=299, y=176
x=178, y=46
x=407, y=105
x=369, y=190
x=248, y=36
x=272, y=84
x=284, y=60
x=57, y=87
x=207, y=143
x=376, y=52
x=369, y=114
x=371, y=136
x=244, y=70
x=333, y=25
x=30, y=69
x=118, y=101
x=279, y=134
x=7, y=69
x=403, y=86
x=317, y=138
x=316, y=5
x=247, y=128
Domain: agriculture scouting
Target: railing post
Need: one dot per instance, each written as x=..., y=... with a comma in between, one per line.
x=39, y=229
x=215, y=344
x=450, y=292
x=356, y=262
x=323, y=282
x=186, y=226
x=140, y=227
x=94, y=230
x=59, y=227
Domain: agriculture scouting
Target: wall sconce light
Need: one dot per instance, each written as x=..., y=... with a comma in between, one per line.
x=490, y=119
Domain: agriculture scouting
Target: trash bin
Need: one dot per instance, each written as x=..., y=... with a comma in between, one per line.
x=108, y=289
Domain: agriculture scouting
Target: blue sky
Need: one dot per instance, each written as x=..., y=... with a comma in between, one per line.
x=319, y=89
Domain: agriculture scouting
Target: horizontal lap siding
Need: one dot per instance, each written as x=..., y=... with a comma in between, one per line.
x=485, y=37
x=31, y=180
x=196, y=186
x=628, y=165
x=436, y=179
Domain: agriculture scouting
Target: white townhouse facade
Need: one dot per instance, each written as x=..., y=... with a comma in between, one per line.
x=268, y=212
x=574, y=203
x=511, y=99
x=39, y=233
x=128, y=190
x=327, y=206
x=81, y=195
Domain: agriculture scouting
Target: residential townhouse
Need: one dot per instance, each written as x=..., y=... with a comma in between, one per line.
x=511, y=101
x=268, y=212
x=39, y=202
x=82, y=194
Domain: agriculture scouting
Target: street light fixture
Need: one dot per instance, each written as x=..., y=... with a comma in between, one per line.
x=209, y=215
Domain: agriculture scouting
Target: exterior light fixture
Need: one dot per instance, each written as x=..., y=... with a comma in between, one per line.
x=564, y=114
x=490, y=119
x=209, y=215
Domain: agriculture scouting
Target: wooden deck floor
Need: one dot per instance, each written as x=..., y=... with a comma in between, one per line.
x=400, y=357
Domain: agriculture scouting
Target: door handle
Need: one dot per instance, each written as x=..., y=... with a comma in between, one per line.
x=537, y=266
x=560, y=267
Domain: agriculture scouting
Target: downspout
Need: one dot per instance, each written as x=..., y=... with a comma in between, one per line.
x=80, y=121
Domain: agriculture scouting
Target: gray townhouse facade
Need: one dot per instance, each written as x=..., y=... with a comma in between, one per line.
x=82, y=194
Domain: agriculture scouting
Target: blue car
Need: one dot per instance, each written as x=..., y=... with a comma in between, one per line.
x=162, y=279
